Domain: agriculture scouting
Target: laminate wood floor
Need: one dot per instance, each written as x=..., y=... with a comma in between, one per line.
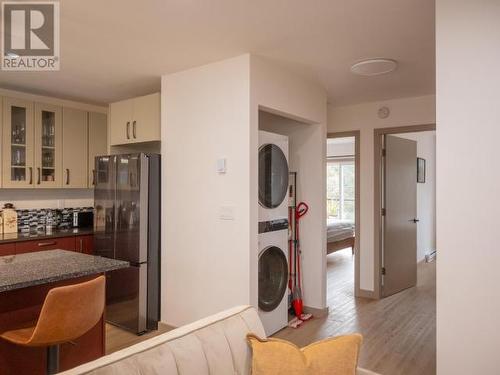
x=399, y=331
x=118, y=338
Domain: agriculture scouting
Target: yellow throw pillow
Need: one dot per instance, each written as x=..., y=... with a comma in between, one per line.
x=336, y=355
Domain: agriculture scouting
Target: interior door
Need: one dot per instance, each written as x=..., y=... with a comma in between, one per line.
x=400, y=203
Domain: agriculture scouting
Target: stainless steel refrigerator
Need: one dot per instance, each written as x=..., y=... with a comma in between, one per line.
x=127, y=227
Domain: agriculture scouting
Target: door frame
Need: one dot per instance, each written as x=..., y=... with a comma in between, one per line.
x=378, y=190
x=357, y=194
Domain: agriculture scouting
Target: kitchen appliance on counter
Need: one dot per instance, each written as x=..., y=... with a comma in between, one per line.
x=83, y=219
x=127, y=227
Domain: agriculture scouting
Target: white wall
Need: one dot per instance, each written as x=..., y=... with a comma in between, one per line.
x=209, y=112
x=47, y=198
x=468, y=203
x=426, y=192
x=363, y=117
x=205, y=260
x=285, y=93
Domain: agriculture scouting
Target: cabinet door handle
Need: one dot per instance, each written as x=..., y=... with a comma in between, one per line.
x=31, y=175
x=67, y=176
x=133, y=129
x=93, y=176
x=81, y=245
x=128, y=129
x=39, y=176
x=42, y=244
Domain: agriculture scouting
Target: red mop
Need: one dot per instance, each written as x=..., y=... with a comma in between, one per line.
x=297, y=302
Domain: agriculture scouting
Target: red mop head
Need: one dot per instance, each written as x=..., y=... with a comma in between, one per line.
x=297, y=306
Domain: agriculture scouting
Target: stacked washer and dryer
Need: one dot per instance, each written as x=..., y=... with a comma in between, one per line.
x=273, y=231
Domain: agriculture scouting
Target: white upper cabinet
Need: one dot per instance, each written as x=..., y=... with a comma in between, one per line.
x=135, y=120
x=75, y=145
x=98, y=142
x=44, y=145
x=18, y=144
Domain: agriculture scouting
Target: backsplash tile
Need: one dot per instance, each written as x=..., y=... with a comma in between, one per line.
x=37, y=219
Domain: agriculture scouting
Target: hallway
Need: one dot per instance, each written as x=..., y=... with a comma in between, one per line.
x=399, y=331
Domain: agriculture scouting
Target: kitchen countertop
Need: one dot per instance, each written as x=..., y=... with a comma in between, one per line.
x=56, y=233
x=43, y=267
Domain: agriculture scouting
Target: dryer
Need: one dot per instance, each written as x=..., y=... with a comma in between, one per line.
x=273, y=176
x=273, y=231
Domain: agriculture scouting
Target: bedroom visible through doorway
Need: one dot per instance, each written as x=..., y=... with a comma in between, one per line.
x=342, y=214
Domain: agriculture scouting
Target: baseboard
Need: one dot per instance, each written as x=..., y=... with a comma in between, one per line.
x=362, y=293
x=317, y=313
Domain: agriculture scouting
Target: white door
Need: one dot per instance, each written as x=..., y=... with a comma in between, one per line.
x=400, y=220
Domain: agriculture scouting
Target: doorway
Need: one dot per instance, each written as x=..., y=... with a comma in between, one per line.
x=404, y=206
x=342, y=224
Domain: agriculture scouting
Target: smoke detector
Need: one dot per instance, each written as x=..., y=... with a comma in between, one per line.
x=374, y=67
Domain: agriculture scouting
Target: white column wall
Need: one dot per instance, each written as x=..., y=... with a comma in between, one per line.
x=468, y=186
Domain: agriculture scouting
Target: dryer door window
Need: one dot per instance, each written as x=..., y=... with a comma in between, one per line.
x=273, y=176
x=273, y=278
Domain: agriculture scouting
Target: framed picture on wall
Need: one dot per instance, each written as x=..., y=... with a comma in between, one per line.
x=421, y=170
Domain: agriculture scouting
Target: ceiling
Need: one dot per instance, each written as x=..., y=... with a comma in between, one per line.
x=116, y=49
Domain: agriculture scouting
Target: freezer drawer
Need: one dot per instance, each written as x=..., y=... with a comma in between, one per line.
x=126, y=298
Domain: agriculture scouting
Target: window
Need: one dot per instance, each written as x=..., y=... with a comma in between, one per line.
x=340, y=189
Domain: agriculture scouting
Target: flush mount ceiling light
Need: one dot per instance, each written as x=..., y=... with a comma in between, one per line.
x=374, y=67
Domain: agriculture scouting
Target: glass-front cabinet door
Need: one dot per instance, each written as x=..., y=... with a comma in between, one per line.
x=18, y=144
x=48, y=145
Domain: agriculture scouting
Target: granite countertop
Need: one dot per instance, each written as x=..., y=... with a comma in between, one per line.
x=56, y=233
x=43, y=267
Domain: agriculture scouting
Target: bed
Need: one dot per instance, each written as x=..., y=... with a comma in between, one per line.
x=339, y=235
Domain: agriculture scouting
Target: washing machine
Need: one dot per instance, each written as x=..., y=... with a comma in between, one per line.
x=273, y=231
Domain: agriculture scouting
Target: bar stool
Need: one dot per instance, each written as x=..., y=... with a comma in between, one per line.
x=68, y=312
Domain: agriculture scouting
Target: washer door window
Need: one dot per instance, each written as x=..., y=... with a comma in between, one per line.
x=273, y=176
x=273, y=278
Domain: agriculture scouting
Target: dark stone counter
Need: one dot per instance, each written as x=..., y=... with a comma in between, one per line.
x=42, y=267
x=56, y=233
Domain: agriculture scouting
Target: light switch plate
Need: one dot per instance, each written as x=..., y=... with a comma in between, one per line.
x=226, y=213
x=221, y=165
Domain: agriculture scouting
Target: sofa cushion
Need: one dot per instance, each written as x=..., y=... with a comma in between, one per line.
x=338, y=355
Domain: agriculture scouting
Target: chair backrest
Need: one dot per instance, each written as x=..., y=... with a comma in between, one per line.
x=69, y=312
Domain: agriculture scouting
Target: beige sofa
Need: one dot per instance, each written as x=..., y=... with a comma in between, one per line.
x=214, y=345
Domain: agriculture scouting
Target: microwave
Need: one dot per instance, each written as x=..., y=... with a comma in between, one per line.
x=83, y=219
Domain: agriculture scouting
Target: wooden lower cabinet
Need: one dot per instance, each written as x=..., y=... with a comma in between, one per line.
x=82, y=244
x=63, y=243
x=85, y=244
x=7, y=249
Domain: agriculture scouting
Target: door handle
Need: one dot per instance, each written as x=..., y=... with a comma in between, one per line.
x=414, y=220
x=67, y=176
x=128, y=129
x=31, y=175
x=39, y=176
x=41, y=244
x=93, y=176
x=133, y=129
